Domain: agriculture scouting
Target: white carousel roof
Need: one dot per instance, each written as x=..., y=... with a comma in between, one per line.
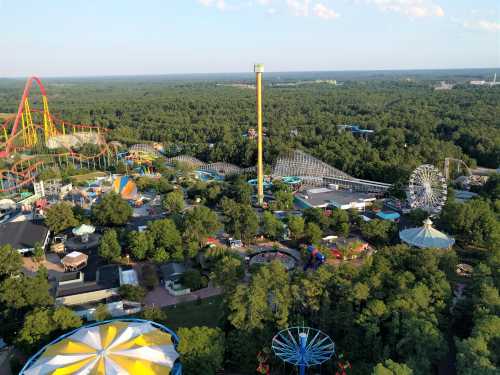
x=426, y=237
x=83, y=229
x=110, y=348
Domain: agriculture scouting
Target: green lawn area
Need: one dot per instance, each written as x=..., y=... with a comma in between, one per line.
x=206, y=312
x=88, y=176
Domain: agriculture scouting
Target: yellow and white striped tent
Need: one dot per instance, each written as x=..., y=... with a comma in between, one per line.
x=117, y=347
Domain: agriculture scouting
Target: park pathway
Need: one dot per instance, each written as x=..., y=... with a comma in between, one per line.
x=159, y=296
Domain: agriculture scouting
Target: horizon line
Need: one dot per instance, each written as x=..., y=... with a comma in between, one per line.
x=387, y=70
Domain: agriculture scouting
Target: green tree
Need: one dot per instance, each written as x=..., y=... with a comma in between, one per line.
x=38, y=253
x=198, y=224
x=65, y=318
x=316, y=216
x=296, y=224
x=192, y=279
x=101, y=313
x=240, y=191
x=140, y=244
x=166, y=239
x=491, y=189
x=228, y=272
x=267, y=299
x=473, y=222
x=37, y=327
x=390, y=367
x=10, y=262
x=380, y=232
x=163, y=186
x=416, y=217
x=80, y=214
x=174, y=201
x=155, y=314
x=132, y=292
x=111, y=210
x=477, y=353
x=149, y=276
x=241, y=219
x=42, y=322
x=59, y=217
x=283, y=200
x=271, y=225
x=25, y=291
x=313, y=233
x=109, y=247
x=201, y=350
x=340, y=222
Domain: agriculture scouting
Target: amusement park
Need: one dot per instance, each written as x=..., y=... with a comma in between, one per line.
x=150, y=262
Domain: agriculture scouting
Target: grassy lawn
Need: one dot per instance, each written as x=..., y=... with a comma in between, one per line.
x=88, y=176
x=205, y=313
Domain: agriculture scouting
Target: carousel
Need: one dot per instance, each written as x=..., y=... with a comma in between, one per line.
x=74, y=261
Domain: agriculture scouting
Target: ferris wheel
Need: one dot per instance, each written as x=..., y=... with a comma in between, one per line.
x=427, y=189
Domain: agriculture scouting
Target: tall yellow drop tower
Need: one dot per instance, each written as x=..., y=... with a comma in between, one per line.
x=259, y=69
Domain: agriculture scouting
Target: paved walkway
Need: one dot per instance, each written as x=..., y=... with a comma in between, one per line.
x=160, y=297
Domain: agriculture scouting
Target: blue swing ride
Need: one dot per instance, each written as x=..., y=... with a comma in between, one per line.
x=303, y=347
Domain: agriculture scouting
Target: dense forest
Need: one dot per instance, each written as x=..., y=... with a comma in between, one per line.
x=413, y=123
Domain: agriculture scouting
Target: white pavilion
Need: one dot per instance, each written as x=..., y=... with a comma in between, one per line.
x=426, y=237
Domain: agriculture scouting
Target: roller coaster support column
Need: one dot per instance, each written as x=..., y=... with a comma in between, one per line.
x=259, y=69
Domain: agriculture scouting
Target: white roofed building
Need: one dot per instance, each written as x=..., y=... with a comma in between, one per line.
x=426, y=237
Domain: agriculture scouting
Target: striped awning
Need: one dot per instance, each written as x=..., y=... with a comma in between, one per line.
x=112, y=348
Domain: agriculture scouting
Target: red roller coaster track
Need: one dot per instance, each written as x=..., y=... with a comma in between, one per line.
x=27, y=88
x=16, y=139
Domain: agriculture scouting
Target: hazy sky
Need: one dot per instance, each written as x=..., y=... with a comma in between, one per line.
x=113, y=37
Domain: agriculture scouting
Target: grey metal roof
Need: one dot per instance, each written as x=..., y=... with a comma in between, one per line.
x=22, y=234
x=170, y=270
x=325, y=197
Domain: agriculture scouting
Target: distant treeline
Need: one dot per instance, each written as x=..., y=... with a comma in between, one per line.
x=413, y=123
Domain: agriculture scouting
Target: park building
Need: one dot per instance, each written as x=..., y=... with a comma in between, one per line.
x=23, y=236
x=331, y=197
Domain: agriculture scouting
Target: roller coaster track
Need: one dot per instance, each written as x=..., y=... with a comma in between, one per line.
x=297, y=163
x=222, y=168
x=34, y=138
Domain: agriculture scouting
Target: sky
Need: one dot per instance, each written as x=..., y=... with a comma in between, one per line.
x=122, y=37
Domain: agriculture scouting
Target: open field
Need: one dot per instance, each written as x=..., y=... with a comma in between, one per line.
x=87, y=176
x=206, y=312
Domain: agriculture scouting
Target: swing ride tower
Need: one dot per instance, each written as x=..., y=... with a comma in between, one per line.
x=259, y=69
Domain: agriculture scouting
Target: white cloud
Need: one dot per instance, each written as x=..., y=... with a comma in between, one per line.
x=489, y=26
x=482, y=25
x=322, y=11
x=299, y=8
x=219, y=4
x=410, y=8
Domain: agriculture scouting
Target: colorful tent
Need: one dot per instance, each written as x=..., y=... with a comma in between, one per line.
x=117, y=347
x=426, y=237
x=126, y=187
